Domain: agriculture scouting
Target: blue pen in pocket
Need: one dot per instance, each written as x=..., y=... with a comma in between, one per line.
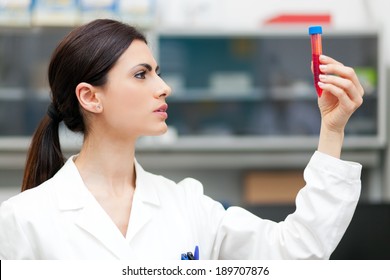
x=196, y=253
x=189, y=256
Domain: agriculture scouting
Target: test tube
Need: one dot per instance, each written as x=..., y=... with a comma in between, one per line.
x=316, y=50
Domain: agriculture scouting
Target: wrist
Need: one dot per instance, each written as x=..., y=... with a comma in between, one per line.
x=331, y=141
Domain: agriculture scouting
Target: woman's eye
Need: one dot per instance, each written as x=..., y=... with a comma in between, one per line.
x=140, y=75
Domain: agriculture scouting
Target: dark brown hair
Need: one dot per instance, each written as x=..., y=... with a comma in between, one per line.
x=85, y=55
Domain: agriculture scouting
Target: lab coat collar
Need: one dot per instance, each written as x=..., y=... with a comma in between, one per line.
x=146, y=185
x=145, y=201
x=71, y=191
x=72, y=194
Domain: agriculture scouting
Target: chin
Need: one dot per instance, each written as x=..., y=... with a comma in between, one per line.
x=159, y=132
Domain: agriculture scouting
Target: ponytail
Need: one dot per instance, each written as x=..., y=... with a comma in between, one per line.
x=44, y=157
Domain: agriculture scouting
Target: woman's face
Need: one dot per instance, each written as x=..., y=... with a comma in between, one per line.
x=133, y=99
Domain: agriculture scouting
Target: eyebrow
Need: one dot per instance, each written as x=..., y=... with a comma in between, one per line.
x=148, y=66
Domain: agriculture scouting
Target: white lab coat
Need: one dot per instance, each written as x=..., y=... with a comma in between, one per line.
x=61, y=219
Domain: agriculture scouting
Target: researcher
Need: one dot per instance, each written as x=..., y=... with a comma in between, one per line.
x=101, y=204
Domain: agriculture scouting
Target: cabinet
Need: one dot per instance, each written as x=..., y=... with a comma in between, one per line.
x=241, y=101
x=259, y=84
x=24, y=92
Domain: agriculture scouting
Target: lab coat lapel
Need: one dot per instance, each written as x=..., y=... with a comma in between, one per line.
x=73, y=195
x=145, y=202
x=95, y=221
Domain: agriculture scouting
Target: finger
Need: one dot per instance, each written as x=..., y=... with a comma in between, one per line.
x=347, y=73
x=350, y=104
x=328, y=60
x=346, y=85
x=323, y=59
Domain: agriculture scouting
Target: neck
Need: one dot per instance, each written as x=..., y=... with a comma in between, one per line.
x=108, y=164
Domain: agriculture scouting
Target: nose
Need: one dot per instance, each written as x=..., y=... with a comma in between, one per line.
x=164, y=89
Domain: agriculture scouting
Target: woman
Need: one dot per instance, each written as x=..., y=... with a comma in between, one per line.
x=101, y=204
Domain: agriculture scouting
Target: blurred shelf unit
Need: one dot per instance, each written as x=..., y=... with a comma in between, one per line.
x=234, y=93
x=258, y=84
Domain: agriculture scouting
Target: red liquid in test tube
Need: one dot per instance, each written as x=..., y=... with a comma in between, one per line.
x=316, y=50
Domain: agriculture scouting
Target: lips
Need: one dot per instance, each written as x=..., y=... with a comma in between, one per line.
x=162, y=111
x=163, y=108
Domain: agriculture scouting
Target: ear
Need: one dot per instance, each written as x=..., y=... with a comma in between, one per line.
x=88, y=97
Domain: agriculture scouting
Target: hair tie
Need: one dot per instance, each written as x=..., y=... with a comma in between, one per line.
x=53, y=113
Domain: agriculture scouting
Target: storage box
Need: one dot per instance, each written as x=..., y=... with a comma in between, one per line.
x=15, y=13
x=272, y=187
x=55, y=12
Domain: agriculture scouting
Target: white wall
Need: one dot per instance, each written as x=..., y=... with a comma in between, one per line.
x=241, y=14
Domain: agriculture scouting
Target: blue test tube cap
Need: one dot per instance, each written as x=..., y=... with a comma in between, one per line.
x=315, y=30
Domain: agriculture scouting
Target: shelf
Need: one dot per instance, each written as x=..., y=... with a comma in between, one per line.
x=208, y=143
x=12, y=94
x=213, y=152
x=207, y=95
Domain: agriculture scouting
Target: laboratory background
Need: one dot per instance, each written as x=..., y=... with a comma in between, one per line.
x=243, y=117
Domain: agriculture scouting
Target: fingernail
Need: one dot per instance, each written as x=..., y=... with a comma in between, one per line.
x=322, y=77
x=321, y=85
x=323, y=57
x=322, y=67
